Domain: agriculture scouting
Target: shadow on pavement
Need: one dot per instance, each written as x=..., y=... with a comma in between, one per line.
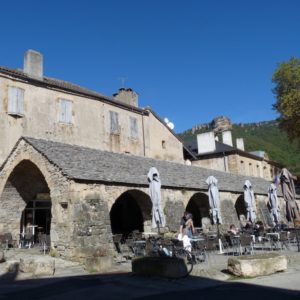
x=128, y=286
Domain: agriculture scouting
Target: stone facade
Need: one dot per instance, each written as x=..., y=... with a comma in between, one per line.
x=239, y=164
x=81, y=211
x=137, y=131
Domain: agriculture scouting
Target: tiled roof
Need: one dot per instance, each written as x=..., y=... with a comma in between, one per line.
x=86, y=164
x=67, y=86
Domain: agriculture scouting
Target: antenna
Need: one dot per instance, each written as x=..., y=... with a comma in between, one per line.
x=122, y=79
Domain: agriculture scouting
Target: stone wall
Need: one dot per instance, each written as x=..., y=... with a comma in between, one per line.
x=81, y=224
x=90, y=126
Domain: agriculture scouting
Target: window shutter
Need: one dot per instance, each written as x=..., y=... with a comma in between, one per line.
x=11, y=100
x=114, y=122
x=65, y=111
x=133, y=128
x=15, y=100
x=19, y=101
x=62, y=111
x=68, y=111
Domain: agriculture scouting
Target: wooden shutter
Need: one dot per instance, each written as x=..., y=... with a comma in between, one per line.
x=62, y=111
x=133, y=128
x=65, y=111
x=15, y=100
x=114, y=122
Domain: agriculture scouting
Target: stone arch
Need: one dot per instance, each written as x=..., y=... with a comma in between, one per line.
x=25, y=198
x=240, y=207
x=198, y=206
x=131, y=211
x=22, y=154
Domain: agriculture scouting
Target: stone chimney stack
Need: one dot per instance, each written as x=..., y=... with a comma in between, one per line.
x=206, y=142
x=127, y=96
x=240, y=144
x=227, y=138
x=33, y=64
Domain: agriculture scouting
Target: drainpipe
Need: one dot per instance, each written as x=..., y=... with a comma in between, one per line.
x=143, y=129
x=225, y=162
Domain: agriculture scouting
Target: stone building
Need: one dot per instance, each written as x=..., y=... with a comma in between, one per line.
x=74, y=164
x=32, y=104
x=210, y=153
x=85, y=195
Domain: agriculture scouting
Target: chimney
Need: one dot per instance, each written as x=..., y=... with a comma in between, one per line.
x=206, y=142
x=240, y=144
x=127, y=96
x=227, y=138
x=33, y=64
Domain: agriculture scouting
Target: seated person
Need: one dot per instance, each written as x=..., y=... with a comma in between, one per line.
x=233, y=230
x=248, y=228
x=259, y=228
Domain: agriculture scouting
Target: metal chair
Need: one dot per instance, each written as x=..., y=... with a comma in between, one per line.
x=246, y=242
x=284, y=239
x=44, y=243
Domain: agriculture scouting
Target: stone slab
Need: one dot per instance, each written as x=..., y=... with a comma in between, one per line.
x=257, y=265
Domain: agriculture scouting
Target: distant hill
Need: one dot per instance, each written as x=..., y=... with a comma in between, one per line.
x=264, y=136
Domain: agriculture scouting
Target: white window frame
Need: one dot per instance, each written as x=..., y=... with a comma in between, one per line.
x=15, y=101
x=133, y=124
x=114, y=122
x=65, y=111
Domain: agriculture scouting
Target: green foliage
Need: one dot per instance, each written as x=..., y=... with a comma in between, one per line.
x=287, y=90
x=268, y=137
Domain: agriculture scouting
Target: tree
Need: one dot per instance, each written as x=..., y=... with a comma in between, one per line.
x=287, y=90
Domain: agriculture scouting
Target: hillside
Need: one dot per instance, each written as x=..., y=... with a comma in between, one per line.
x=264, y=136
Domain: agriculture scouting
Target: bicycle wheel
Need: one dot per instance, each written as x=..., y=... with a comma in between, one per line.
x=187, y=257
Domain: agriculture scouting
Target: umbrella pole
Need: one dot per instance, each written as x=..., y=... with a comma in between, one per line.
x=218, y=233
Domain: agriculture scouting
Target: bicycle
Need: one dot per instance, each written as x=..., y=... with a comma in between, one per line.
x=159, y=247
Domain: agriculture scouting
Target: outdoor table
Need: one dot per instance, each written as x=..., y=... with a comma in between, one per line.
x=197, y=239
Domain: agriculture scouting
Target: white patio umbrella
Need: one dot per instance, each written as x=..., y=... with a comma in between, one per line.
x=214, y=200
x=273, y=203
x=158, y=217
x=214, y=205
x=249, y=201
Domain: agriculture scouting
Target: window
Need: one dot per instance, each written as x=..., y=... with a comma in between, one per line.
x=163, y=144
x=65, y=111
x=133, y=128
x=15, y=101
x=114, y=122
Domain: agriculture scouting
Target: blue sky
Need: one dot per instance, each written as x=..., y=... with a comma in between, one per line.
x=189, y=60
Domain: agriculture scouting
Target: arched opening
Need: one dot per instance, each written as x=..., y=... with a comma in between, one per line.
x=131, y=211
x=240, y=207
x=25, y=203
x=198, y=206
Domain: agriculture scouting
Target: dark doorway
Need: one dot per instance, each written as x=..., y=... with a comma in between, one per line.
x=27, y=186
x=240, y=207
x=198, y=206
x=130, y=211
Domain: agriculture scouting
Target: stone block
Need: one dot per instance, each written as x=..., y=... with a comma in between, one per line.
x=159, y=266
x=257, y=265
x=12, y=266
x=38, y=266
